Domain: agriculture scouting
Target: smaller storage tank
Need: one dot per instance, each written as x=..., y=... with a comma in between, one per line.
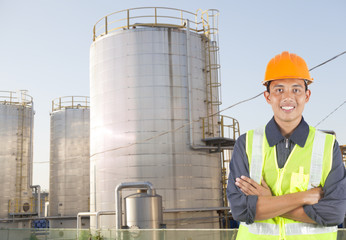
x=69, y=156
x=16, y=141
x=143, y=211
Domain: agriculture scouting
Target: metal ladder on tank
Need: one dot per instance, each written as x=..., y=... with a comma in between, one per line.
x=214, y=133
x=19, y=158
x=212, y=71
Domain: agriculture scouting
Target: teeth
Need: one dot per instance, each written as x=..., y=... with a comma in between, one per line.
x=287, y=108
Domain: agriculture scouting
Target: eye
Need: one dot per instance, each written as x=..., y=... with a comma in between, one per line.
x=279, y=90
x=296, y=90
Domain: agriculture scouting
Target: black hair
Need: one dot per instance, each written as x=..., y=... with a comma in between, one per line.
x=305, y=83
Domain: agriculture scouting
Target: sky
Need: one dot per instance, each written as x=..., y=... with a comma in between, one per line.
x=44, y=48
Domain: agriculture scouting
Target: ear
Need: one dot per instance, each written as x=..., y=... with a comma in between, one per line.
x=307, y=95
x=266, y=95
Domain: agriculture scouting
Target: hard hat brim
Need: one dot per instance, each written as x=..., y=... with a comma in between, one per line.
x=308, y=81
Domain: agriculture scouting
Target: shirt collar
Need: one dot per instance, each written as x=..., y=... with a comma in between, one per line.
x=299, y=135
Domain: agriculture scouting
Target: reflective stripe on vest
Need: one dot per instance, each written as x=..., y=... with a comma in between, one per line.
x=257, y=155
x=263, y=228
x=307, y=228
x=291, y=228
x=317, y=160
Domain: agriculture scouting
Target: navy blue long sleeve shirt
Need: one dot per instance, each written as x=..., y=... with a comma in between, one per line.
x=330, y=210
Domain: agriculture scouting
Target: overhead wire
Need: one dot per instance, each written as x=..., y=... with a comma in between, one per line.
x=319, y=65
x=191, y=122
x=329, y=60
x=330, y=114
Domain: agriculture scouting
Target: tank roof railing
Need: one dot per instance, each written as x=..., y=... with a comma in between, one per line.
x=70, y=102
x=229, y=128
x=16, y=98
x=153, y=17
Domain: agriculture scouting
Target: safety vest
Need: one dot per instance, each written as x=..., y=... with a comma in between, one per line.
x=304, y=169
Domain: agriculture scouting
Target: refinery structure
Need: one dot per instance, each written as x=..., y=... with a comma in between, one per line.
x=148, y=149
x=152, y=125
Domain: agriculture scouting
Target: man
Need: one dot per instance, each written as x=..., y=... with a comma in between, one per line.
x=287, y=179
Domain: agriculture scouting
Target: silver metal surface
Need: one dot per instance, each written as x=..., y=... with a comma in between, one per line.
x=140, y=120
x=119, y=199
x=69, y=161
x=46, y=206
x=143, y=211
x=16, y=141
x=196, y=209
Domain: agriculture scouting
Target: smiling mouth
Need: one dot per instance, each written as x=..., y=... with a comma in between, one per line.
x=287, y=108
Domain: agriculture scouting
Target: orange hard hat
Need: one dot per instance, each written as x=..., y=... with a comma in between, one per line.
x=287, y=65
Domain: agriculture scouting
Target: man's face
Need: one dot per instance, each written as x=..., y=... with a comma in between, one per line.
x=287, y=98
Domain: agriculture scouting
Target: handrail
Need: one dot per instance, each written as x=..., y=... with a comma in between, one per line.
x=229, y=127
x=15, y=206
x=16, y=98
x=76, y=102
x=157, y=16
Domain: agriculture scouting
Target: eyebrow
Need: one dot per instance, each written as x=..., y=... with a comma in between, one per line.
x=295, y=85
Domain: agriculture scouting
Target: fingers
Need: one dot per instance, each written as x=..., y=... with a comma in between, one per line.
x=250, y=181
x=250, y=187
x=245, y=186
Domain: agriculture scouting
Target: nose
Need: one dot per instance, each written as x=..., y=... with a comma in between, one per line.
x=287, y=95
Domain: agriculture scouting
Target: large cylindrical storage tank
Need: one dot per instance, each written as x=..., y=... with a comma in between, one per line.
x=148, y=81
x=16, y=141
x=69, y=183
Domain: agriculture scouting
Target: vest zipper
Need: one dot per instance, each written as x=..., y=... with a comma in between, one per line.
x=286, y=142
x=279, y=193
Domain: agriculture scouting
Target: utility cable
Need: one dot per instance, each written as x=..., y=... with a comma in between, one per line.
x=331, y=59
x=319, y=65
x=330, y=113
x=191, y=122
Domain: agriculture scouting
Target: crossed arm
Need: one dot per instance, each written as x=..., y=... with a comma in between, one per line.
x=288, y=206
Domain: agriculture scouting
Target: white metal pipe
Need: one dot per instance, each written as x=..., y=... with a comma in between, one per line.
x=46, y=205
x=118, y=197
x=191, y=123
x=31, y=143
x=98, y=217
x=79, y=220
x=176, y=210
x=88, y=214
x=189, y=81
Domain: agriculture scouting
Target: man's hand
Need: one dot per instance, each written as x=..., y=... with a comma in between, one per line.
x=250, y=187
x=313, y=195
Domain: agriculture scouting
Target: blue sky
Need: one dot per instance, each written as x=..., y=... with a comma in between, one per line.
x=44, y=48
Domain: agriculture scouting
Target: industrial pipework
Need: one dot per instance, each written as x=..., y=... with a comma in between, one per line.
x=151, y=192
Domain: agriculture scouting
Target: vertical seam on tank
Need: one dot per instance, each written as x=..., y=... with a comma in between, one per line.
x=170, y=62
